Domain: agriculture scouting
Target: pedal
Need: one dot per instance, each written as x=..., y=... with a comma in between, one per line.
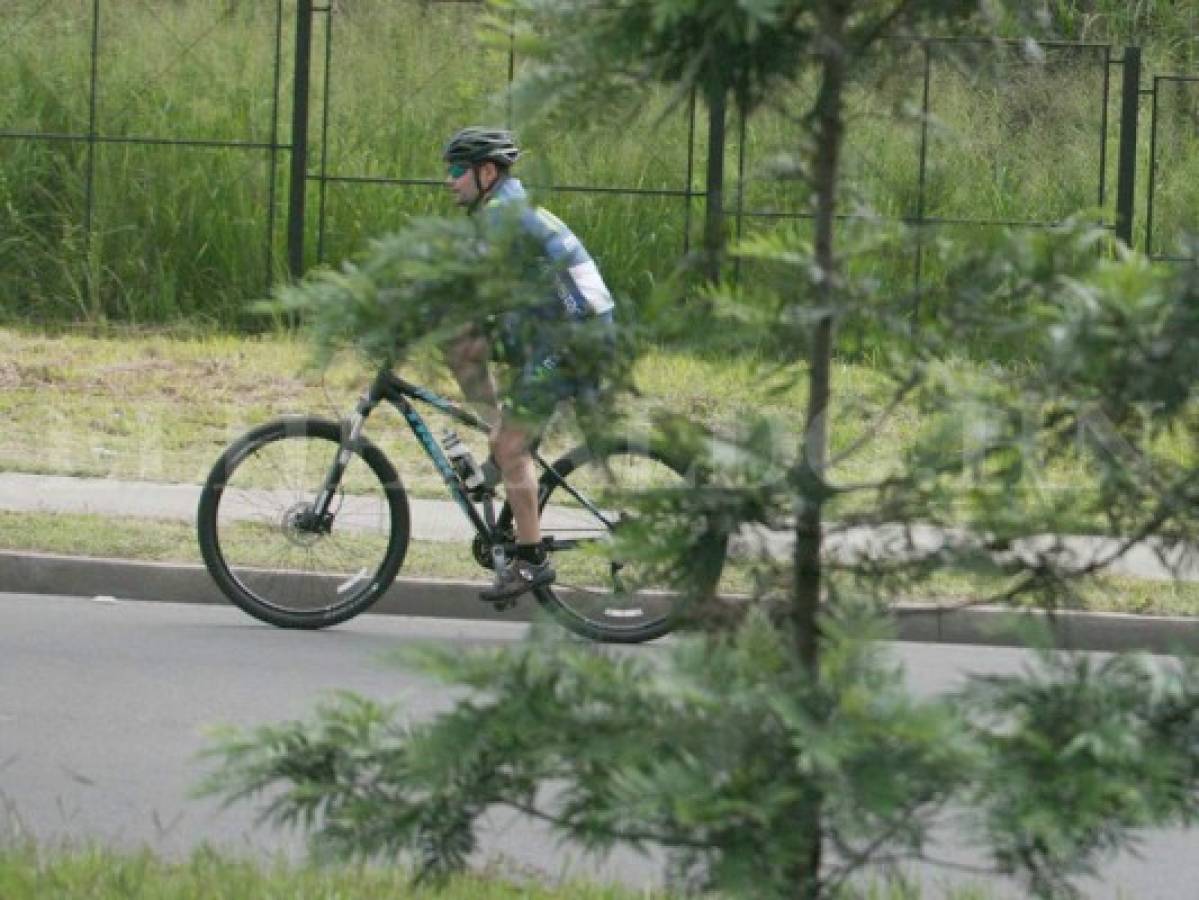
x=498, y=560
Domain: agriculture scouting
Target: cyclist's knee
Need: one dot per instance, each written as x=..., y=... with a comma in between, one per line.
x=467, y=352
x=510, y=447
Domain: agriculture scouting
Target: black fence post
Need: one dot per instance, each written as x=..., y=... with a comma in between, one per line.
x=922, y=182
x=1152, y=190
x=273, y=176
x=690, y=174
x=89, y=202
x=714, y=217
x=1130, y=101
x=299, y=140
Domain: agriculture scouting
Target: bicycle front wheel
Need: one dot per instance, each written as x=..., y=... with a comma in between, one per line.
x=263, y=546
x=584, y=503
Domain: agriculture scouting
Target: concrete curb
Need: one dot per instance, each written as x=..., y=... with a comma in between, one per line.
x=47, y=573
x=43, y=573
x=998, y=627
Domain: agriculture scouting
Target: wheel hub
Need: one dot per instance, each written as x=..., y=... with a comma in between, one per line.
x=298, y=526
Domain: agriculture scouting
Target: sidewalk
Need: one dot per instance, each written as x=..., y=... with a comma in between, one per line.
x=440, y=521
x=432, y=520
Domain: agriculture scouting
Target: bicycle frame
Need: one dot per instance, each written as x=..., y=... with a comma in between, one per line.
x=390, y=387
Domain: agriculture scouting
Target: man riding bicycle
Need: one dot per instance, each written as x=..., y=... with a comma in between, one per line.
x=529, y=340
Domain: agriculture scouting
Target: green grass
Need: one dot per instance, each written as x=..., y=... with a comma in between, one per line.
x=183, y=233
x=1171, y=25
x=157, y=408
x=161, y=540
x=96, y=874
x=29, y=873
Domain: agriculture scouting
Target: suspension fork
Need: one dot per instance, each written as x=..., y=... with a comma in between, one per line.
x=351, y=432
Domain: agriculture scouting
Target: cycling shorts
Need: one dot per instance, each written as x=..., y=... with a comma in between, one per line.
x=543, y=377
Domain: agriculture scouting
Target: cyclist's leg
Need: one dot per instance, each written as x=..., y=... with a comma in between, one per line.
x=530, y=567
x=588, y=375
x=535, y=393
x=510, y=448
x=531, y=402
x=467, y=354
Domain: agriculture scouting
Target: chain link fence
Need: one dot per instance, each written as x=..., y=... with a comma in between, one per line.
x=163, y=160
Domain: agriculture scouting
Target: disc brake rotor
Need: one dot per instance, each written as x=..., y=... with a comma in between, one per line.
x=297, y=526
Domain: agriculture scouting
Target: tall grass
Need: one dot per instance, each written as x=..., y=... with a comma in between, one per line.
x=1172, y=25
x=186, y=233
x=1175, y=192
x=174, y=231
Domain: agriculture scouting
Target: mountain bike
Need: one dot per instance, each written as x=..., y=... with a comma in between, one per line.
x=304, y=523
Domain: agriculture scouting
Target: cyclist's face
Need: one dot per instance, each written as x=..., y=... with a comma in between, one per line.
x=461, y=181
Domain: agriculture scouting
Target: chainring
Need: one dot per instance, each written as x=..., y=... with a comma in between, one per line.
x=481, y=548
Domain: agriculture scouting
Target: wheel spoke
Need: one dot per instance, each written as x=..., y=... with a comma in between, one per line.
x=266, y=552
x=595, y=595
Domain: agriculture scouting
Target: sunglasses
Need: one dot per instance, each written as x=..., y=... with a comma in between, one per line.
x=457, y=170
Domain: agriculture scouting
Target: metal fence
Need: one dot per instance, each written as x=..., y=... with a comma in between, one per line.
x=1174, y=142
x=1099, y=58
x=82, y=113
x=1108, y=113
x=313, y=165
x=302, y=44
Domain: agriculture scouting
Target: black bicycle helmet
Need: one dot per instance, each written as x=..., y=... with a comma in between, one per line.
x=474, y=145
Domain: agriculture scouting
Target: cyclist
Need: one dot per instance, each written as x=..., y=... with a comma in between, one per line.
x=546, y=369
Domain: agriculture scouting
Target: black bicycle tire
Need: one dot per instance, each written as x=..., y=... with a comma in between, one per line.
x=562, y=612
x=209, y=537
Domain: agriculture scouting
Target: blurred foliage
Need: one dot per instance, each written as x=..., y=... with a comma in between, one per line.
x=426, y=281
x=711, y=750
x=764, y=770
x=440, y=277
x=722, y=801
x=1080, y=753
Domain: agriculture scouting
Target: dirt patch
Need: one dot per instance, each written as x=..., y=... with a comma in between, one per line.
x=213, y=380
x=37, y=375
x=138, y=367
x=10, y=374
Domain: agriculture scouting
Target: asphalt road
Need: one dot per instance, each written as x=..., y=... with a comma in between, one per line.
x=104, y=707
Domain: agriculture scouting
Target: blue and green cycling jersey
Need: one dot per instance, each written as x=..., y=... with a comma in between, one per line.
x=579, y=287
x=547, y=371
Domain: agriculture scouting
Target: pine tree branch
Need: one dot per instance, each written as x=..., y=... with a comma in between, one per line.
x=871, y=433
x=881, y=28
x=614, y=834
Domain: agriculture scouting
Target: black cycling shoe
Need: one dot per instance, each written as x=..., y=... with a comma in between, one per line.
x=519, y=576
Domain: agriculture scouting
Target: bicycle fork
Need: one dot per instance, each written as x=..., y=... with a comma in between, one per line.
x=351, y=433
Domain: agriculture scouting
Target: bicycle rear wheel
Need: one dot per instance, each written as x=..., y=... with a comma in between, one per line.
x=262, y=546
x=596, y=595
